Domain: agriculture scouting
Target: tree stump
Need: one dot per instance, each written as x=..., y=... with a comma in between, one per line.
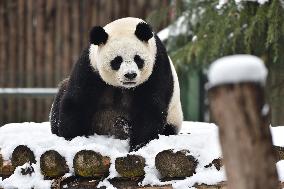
x=217, y=163
x=239, y=110
x=88, y=163
x=6, y=169
x=1, y=161
x=21, y=155
x=130, y=166
x=173, y=165
x=52, y=164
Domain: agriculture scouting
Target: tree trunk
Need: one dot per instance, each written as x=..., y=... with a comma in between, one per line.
x=240, y=112
x=275, y=93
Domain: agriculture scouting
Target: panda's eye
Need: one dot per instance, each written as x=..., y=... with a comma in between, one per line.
x=139, y=61
x=116, y=62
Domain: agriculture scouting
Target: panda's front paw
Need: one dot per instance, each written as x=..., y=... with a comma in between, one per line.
x=170, y=130
x=122, y=128
x=134, y=148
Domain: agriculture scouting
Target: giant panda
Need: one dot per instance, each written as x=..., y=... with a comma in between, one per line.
x=123, y=85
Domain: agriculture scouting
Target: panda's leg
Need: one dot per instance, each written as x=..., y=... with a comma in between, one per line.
x=146, y=127
x=140, y=139
x=174, y=113
x=148, y=132
x=75, y=119
x=54, y=114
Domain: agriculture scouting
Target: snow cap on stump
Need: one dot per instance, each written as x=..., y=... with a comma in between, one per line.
x=237, y=69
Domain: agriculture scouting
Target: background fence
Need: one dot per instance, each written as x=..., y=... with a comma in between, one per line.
x=40, y=40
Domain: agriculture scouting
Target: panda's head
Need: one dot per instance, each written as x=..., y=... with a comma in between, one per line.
x=123, y=52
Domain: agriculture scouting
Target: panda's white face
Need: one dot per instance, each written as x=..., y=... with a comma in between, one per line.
x=124, y=60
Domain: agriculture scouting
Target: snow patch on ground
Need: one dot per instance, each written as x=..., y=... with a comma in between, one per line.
x=236, y=69
x=201, y=139
x=17, y=180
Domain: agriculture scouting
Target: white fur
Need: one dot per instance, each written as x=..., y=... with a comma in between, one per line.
x=123, y=42
x=175, y=115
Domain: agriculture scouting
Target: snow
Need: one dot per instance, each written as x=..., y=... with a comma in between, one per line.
x=223, y=2
x=194, y=38
x=236, y=69
x=201, y=139
x=280, y=168
x=175, y=29
x=17, y=180
x=204, y=150
x=277, y=135
x=164, y=33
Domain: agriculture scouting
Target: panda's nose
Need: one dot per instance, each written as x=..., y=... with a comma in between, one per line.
x=130, y=75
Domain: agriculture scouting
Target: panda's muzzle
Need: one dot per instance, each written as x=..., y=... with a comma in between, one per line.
x=130, y=76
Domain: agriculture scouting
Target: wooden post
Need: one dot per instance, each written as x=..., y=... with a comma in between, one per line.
x=238, y=107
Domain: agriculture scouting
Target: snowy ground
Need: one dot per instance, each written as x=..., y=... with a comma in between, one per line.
x=201, y=139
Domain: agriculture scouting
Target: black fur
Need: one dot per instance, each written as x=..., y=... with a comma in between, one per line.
x=116, y=62
x=139, y=61
x=87, y=105
x=170, y=130
x=54, y=113
x=143, y=31
x=98, y=35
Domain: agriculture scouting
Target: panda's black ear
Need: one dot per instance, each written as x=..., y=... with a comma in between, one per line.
x=98, y=35
x=143, y=31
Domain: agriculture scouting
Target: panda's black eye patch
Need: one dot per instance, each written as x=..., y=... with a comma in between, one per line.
x=139, y=61
x=116, y=62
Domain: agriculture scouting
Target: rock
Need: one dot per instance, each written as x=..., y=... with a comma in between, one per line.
x=88, y=163
x=21, y=155
x=52, y=164
x=175, y=165
x=130, y=166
